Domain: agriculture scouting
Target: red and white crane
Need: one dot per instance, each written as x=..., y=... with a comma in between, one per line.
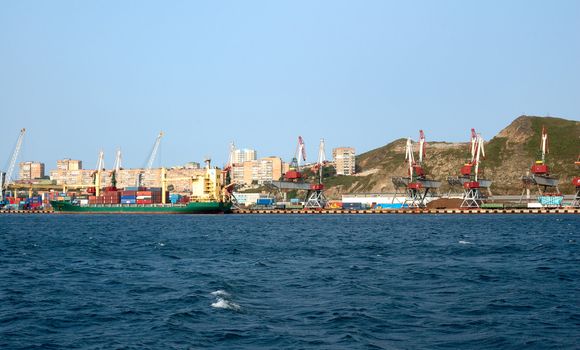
x=315, y=195
x=540, y=172
x=417, y=186
x=294, y=173
x=576, y=183
x=471, y=174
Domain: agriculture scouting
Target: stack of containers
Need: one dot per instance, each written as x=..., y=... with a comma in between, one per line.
x=129, y=196
x=34, y=202
x=144, y=197
x=111, y=197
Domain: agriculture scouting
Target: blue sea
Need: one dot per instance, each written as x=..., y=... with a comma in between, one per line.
x=290, y=282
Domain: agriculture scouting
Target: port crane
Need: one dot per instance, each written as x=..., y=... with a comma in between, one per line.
x=471, y=174
x=228, y=178
x=150, y=160
x=417, y=186
x=576, y=183
x=294, y=179
x=6, y=178
x=540, y=172
x=294, y=173
x=315, y=196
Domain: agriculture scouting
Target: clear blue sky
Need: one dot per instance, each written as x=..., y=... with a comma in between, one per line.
x=82, y=76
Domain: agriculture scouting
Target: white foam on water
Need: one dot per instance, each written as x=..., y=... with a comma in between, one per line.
x=220, y=293
x=465, y=242
x=225, y=304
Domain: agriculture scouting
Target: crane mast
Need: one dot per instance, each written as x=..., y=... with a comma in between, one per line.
x=8, y=177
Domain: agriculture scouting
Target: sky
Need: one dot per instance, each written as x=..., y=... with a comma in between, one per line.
x=82, y=76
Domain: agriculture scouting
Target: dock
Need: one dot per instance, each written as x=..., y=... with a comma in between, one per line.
x=412, y=211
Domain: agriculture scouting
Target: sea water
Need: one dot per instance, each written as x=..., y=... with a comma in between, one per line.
x=290, y=281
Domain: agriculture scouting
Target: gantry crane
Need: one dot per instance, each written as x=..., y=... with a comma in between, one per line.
x=151, y=159
x=6, y=178
x=540, y=172
x=417, y=186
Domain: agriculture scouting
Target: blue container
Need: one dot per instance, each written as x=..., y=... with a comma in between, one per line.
x=265, y=201
x=294, y=200
x=174, y=198
x=389, y=206
x=128, y=197
x=128, y=201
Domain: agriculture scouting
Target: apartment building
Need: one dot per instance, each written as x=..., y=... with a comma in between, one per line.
x=344, y=160
x=31, y=171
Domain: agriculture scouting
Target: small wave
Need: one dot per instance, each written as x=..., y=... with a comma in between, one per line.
x=465, y=242
x=225, y=304
x=220, y=293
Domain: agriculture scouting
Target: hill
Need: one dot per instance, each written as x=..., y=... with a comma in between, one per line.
x=508, y=156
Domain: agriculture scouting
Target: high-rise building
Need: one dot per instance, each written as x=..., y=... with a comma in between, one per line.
x=69, y=164
x=258, y=171
x=31, y=170
x=244, y=155
x=344, y=160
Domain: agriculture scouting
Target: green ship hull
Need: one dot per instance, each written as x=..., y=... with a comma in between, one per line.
x=189, y=208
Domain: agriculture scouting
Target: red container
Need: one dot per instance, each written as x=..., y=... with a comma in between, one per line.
x=143, y=193
x=128, y=193
x=540, y=169
x=316, y=187
x=144, y=201
x=576, y=181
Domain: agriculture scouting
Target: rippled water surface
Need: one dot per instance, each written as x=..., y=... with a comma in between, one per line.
x=292, y=282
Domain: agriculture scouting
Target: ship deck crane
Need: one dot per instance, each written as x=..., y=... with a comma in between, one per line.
x=417, y=186
x=6, y=179
x=540, y=172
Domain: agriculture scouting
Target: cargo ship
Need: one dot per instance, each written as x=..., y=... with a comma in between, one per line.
x=207, y=198
x=186, y=208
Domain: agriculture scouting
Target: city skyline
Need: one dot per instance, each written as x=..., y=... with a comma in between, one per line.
x=83, y=77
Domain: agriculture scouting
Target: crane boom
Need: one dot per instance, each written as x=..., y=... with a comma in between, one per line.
x=118, y=160
x=154, y=151
x=544, y=145
x=422, y=145
x=12, y=163
x=409, y=158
